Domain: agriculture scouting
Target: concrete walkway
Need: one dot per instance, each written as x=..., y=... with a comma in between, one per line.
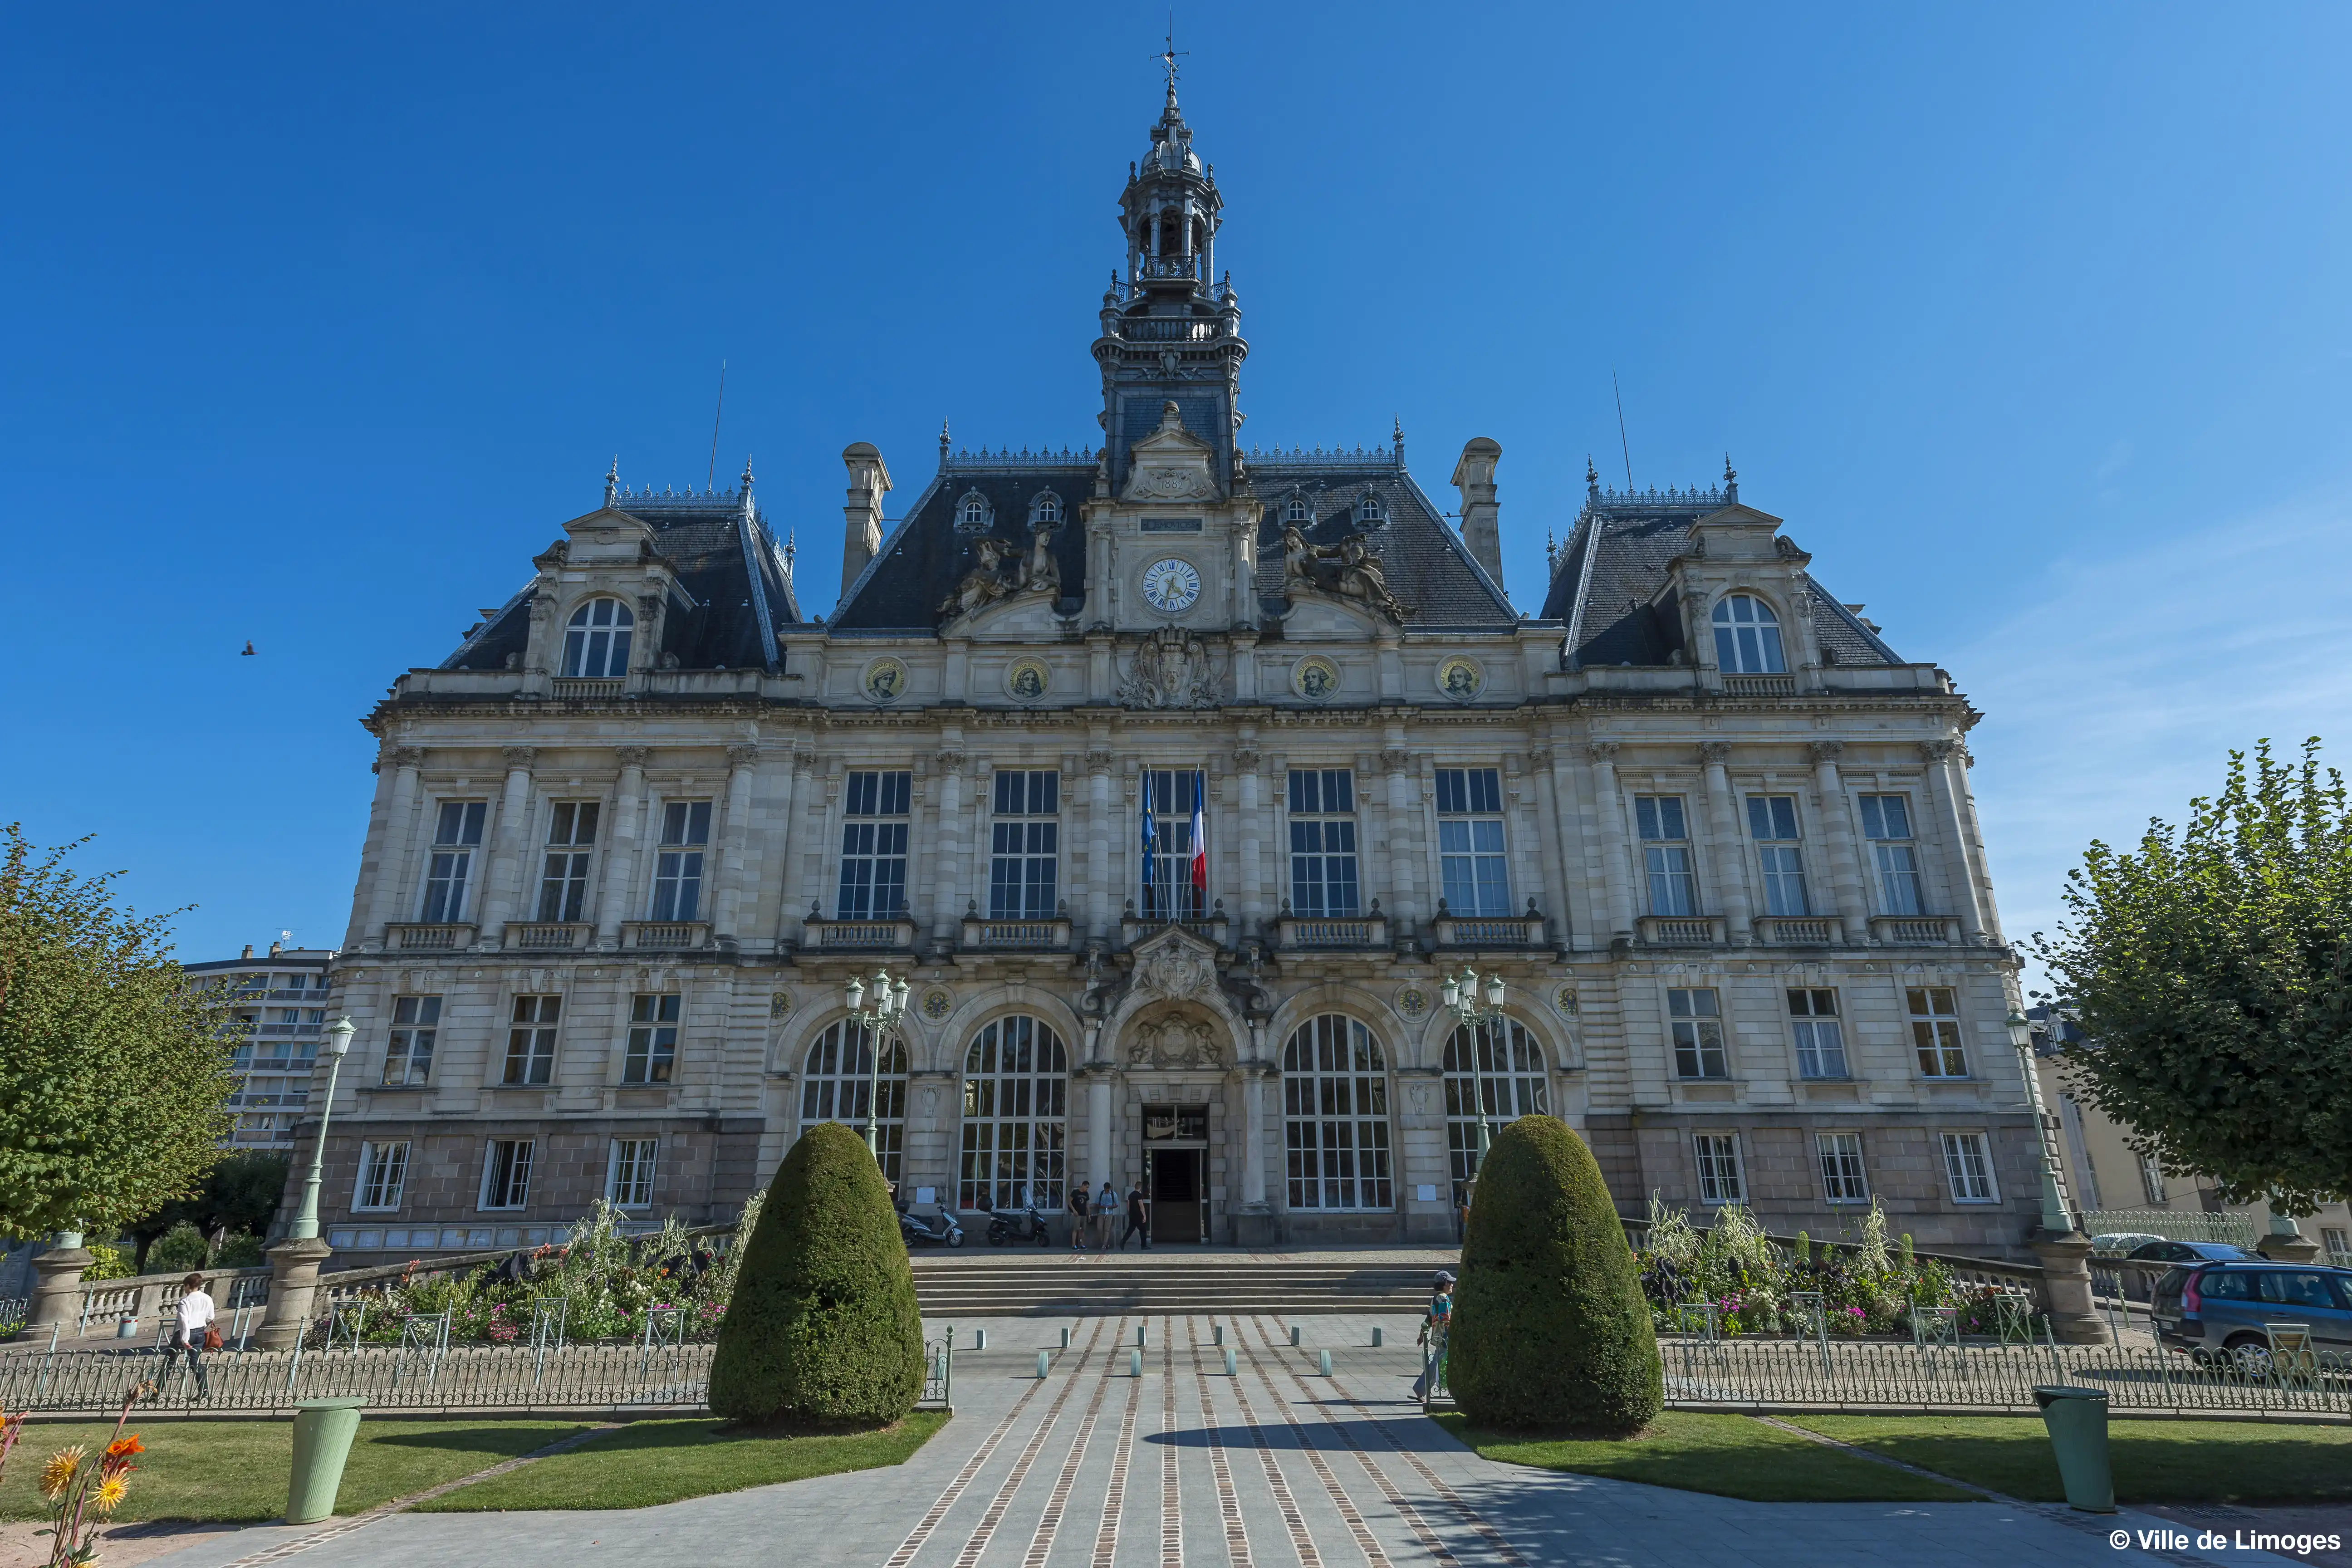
x=1091, y=1468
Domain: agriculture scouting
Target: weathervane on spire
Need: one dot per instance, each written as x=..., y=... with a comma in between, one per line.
x=1172, y=54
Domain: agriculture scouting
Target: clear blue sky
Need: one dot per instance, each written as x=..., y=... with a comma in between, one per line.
x=2031, y=321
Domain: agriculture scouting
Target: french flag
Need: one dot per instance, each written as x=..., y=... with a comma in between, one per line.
x=1199, y=846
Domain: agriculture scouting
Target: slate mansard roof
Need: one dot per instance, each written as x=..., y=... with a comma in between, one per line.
x=1609, y=584
x=734, y=588
x=1426, y=566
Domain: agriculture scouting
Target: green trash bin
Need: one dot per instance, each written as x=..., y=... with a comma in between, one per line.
x=323, y=1429
x=2077, y=1420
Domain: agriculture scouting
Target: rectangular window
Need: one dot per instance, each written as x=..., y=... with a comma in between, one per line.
x=1968, y=1168
x=1470, y=842
x=1323, y=841
x=653, y=1039
x=1665, y=854
x=383, y=1171
x=1698, y=1025
x=629, y=1177
x=1886, y=823
x=506, y=1174
x=1821, y=1045
x=1842, y=1178
x=874, y=846
x=1168, y=890
x=563, y=880
x=456, y=834
x=1935, y=1031
x=677, y=864
x=531, y=1043
x=1720, y=1178
x=1025, y=846
x=2151, y=1179
x=2338, y=1244
x=1772, y=823
x=408, y=1057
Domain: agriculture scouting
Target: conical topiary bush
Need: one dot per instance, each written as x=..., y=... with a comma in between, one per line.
x=1550, y=1328
x=823, y=1328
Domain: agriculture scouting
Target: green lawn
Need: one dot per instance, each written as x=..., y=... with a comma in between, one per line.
x=1730, y=1456
x=2154, y=1461
x=650, y=1462
x=238, y=1470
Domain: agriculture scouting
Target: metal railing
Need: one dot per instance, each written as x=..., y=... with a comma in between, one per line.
x=2232, y=1229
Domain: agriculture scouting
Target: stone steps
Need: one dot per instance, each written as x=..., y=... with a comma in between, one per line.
x=1064, y=1289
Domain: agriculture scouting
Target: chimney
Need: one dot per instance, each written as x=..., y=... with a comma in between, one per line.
x=1482, y=527
x=861, y=537
x=249, y=950
x=274, y=950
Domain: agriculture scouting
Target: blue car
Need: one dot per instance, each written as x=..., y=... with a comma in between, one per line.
x=2221, y=1308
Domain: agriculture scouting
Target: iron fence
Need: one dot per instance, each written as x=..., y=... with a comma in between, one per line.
x=2173, y=1225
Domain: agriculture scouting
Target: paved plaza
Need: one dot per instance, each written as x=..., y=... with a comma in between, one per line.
x=1094, y=1468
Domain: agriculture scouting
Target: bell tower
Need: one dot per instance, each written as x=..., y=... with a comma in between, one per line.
x=1170, y=326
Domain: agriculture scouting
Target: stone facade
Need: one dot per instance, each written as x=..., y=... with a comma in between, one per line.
x=1693, y=792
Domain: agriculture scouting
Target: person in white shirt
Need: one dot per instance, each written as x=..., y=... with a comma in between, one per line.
x=196, y=1317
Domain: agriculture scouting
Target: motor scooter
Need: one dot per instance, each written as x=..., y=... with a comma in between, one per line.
x=940, y=1227
x=1017, y=1225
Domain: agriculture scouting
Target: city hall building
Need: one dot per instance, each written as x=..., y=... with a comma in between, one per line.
x=1174, y=780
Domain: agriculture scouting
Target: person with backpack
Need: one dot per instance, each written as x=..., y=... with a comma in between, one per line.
x=1105, y=1215
x=193, y=1331
x=1433, y=1326
x=1078, y=1220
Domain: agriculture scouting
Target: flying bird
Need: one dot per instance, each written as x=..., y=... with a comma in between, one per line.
x=248, y=649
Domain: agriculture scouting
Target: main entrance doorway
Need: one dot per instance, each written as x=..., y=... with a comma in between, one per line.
x=1175, y=1171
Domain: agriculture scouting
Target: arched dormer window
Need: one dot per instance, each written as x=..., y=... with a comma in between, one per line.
x=1368, y=510
x=1045, y=510
x=1298, y=510
x=973, y=515
x=596, y=643
x=1747, y=637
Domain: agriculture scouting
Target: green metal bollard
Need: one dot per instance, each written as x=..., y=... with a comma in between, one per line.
x=1220, y=1331
x=1294, y=1334
x=1323, y=1360
x=1040, y=1364
x=1066, y=1337
x=2078, y=1421
x=1376, y=1338
x=323, y=1430
x=1229, y=1370
x=1135, y=1363
x=1138, y=1334
x=980, y=1339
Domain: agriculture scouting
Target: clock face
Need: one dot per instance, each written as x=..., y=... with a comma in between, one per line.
x=1171, y=585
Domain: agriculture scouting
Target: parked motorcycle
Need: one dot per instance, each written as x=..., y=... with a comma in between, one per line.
x=940, y=1227
x=1016, y=1225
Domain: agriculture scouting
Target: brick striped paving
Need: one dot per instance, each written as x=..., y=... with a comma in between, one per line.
x=1237, y=1544
x=985, y=1531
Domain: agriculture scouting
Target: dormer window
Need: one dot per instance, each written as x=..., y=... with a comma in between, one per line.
x=973, y=515
x=1045, y=511
x=596, y=643
x=1747, y=637
x=1298, y=510
x=1367, y=510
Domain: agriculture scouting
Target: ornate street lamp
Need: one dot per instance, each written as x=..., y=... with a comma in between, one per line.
x=1477, y=1002
x=879, y=1020
x=333, y=1044
x=2054, y=1215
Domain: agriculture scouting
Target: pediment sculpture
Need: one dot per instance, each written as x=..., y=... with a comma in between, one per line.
x=1174, y=1043
x=1000, y=573
x=1177, y=971
x=1172, y=668
x=1349, y=570
x=1171, y=463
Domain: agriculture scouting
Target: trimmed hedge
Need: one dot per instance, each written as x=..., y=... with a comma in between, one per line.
x=1550, y=1330
x=822, y=1329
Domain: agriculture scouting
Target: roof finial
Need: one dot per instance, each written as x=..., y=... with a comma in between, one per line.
x=1170, y=55
x=1398, y=435
x=943, y=443
x=792, y=548
x=1592, y=478
x=1730, y=480
x=613, y=479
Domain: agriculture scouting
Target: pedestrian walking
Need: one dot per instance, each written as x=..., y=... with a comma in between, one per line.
x=193, y=1331
x=1078, y=1207
x=1105, y=1215
x=1139, y=1219
x=1433, y=1326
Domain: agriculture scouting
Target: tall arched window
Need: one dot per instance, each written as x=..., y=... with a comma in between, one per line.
x=1335, y=1103
x=1747, y=637
x=596, y=643
x=1016, y=1086
x=838, y=1077
x=1500, y=1066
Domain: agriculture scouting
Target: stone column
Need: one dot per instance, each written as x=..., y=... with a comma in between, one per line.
x=57, y=1298
x=391, y=853
x=1402, y=867
x=1616, y=855
x=1099, y=902
x=947, y=910
x=1837, y=827
x=620, y=859
x=2066, y=1282
x=788, y=853
x=293, y=1285
x=1250, y=835
x=1958, y=873
x=1563, y=826
x=725, y=919
x=508, y=849
x=1555, y=873
x=1254, y=1079
x=1730, y=846
x=1099, y=1088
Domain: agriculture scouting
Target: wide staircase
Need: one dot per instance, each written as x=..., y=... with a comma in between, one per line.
x=1051, y=1285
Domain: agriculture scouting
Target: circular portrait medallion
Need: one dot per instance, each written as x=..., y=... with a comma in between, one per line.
x=1028, y=679
x=885, y=680
x=1460, y=678
x=1315, y=678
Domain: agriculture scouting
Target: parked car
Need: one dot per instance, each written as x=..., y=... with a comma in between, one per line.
x=2211, y=1309
x=2119, y=1243
x=2162, y=1251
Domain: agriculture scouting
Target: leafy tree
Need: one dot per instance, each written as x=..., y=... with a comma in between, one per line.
x=178, y=1250
x=113, y=1067
x=2210, y=971
x=240, y=1193
x=822, y=1329
x=1550, y=1328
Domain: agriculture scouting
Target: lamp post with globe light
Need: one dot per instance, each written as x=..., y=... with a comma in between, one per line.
x=1477, y=1002
x=880, y=1021
x=334, y=1045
